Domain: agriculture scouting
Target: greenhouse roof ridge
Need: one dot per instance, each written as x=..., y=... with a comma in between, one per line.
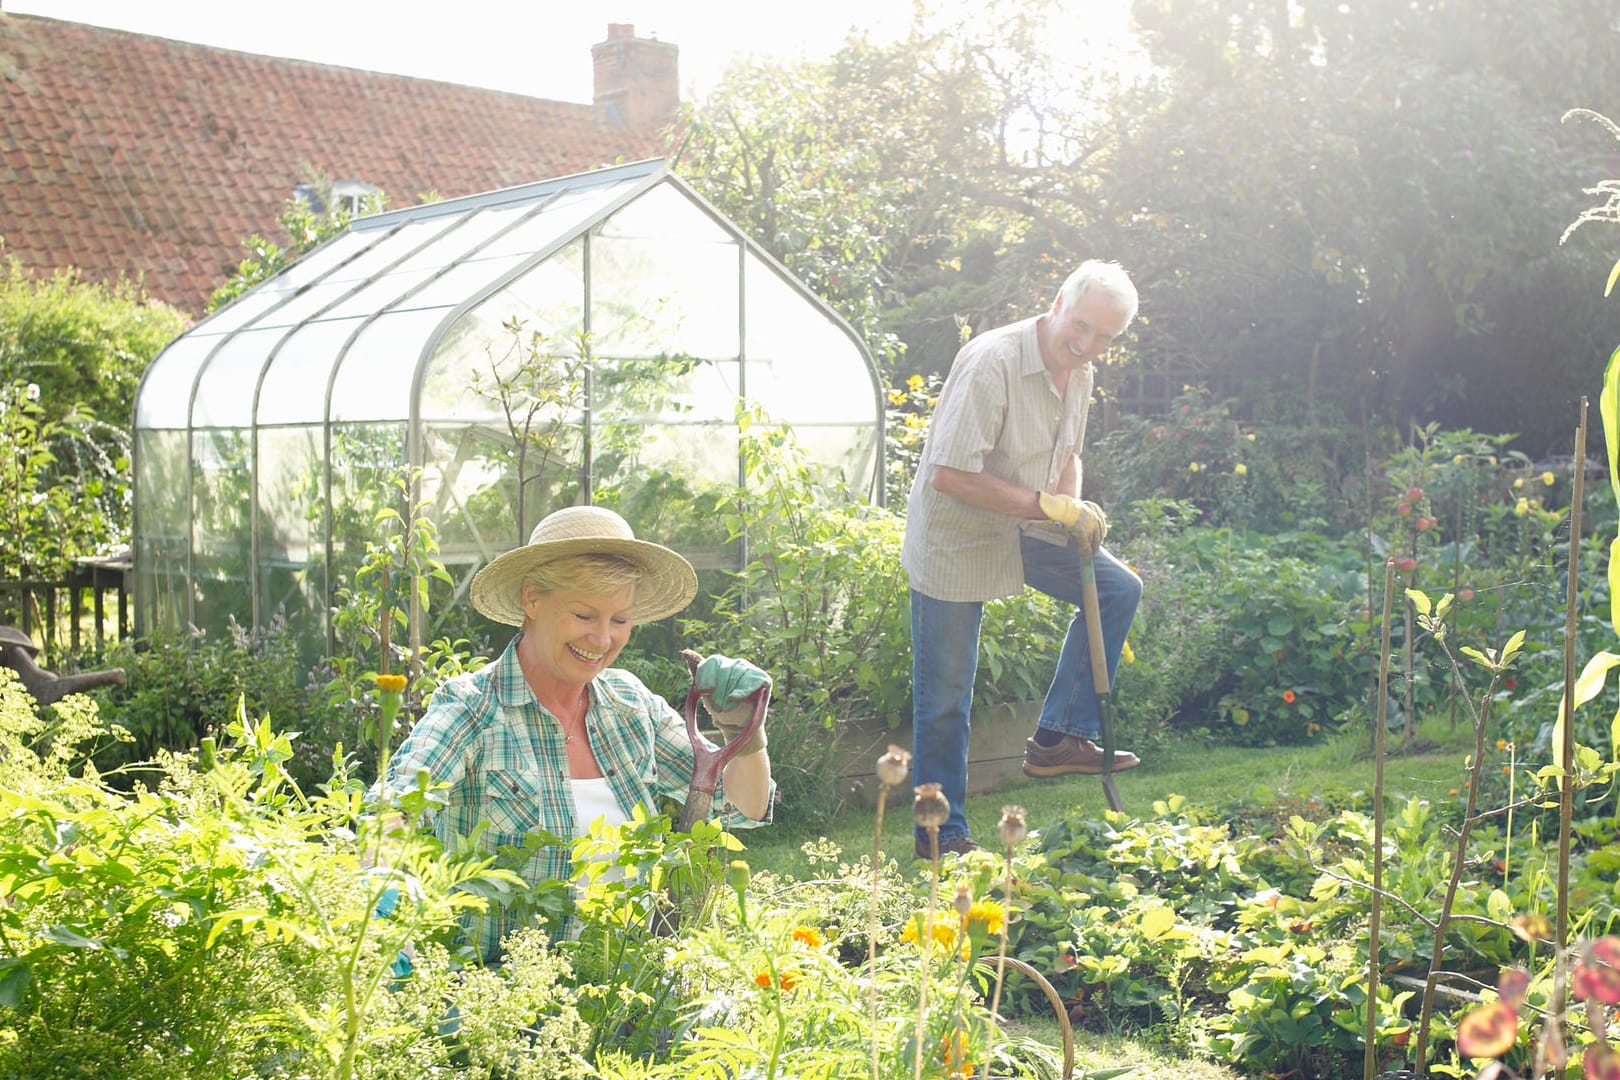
x=652, y=169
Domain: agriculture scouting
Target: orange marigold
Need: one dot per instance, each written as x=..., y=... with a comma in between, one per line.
x=808, y=936
x=953, y=1055
x=1289, y=696
x=789, y=978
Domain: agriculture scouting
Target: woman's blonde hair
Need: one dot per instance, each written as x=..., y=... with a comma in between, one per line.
x=596, y=574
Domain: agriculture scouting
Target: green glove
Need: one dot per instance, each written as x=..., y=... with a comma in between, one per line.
x=726, y=686
x=1085, y=520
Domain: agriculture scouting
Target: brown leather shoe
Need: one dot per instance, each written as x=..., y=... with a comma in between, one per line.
x=1074, y=756
x=957, y=845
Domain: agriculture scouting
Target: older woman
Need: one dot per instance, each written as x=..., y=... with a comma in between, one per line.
x=550, y=736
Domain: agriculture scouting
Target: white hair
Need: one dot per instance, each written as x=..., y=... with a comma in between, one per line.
x=1106, y=277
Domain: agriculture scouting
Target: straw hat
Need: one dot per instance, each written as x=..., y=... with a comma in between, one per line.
x=667, y=583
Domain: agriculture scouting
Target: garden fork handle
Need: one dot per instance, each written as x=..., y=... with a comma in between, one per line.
x=1099, y=673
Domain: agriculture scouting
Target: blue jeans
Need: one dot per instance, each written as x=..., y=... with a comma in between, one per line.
x=945, y=656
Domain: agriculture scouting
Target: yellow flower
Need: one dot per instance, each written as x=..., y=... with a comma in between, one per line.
x=1250, y=436
x=897, y=397
x=1459, y=459
x=1128, y=654
x=1241, y=469
x=914, y=383
x=943, y=933
x=1193, y=466
x=396, y=683
x=988, y=912
x=1518, y=482
x=1501, y=744
x=913, y=421
x=1548, y=478
x=1522, y=507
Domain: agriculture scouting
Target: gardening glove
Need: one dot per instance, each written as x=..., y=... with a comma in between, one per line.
x=1085, y=520
x=727, y=686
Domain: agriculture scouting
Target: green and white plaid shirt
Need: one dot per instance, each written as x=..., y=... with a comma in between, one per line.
x=506, y=762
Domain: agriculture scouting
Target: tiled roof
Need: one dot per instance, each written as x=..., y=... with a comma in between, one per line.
x=125, y=154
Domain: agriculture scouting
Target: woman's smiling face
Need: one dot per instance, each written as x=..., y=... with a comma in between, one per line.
x=576, y=634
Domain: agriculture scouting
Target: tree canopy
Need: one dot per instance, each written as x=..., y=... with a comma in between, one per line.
x=1358, y=203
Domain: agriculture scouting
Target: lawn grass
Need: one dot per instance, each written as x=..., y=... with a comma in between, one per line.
x=1205, y=773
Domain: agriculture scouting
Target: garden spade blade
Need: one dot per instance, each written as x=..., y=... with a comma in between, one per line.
x=1099, y=675
x=707, y=765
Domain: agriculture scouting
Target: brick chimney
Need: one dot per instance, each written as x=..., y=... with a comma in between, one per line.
x=636, y=78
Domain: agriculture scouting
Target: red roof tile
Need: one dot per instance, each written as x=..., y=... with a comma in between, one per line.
x=128, y=155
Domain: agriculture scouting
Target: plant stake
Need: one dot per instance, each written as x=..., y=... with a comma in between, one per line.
x=1369, y=1060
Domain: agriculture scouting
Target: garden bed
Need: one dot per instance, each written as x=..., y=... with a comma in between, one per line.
x=995, y=752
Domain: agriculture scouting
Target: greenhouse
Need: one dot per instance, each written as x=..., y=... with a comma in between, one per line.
x=599, y=338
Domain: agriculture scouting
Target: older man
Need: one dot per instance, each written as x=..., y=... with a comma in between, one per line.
x=1001, y=465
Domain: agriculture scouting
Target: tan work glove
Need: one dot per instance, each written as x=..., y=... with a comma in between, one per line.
x=1085, y=520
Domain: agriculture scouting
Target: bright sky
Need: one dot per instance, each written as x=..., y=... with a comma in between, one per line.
x=536, y=47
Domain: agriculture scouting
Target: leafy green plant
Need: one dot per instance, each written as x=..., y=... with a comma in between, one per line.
x=179, y=690
x=62, y=486
x=220, y=922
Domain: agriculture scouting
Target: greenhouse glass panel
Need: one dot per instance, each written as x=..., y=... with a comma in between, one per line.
x=558, y=220
x=658, y=298
x=373, y=380
x=664, y=281
x=461, y=281
x=375, y=264
x=224, y=395
x=675, y=390
x=221, y=498
x=463, y=380
x=471, y=484
x=365, y=462
x=847, y=453
x=164, y=398
x=666, y=212
x=277, y=290
x=392, y=290
x=652, y=474
x=290, y=547
x=163, y=528
x=293, y=389
x=803, y=366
